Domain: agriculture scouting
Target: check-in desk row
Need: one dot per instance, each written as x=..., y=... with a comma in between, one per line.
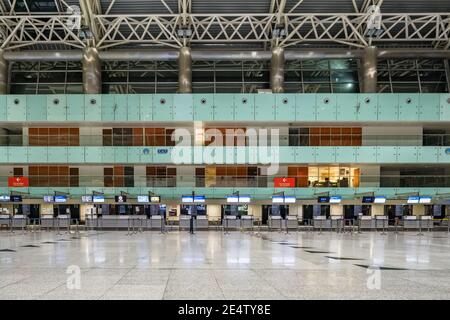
x=234, y=222
x=414, y=222
x=338, y=222
x=115, y=222
x=277, y=222
x=16, y=222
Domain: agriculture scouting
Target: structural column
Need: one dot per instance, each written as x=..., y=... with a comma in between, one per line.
x=92, y=71
x=369, y=70
x=185, y=70
x=277, y=70
x=4, y=67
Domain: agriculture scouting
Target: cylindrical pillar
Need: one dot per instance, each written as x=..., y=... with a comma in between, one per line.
x=277, y=70
x=369, y=70
x=4, y=67
x=92, y=71
x=185, y=70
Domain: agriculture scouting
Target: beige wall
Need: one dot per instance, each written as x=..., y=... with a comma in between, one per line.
x=46, y=208
x=377, y=209
x=418, y=210
x=336, y=210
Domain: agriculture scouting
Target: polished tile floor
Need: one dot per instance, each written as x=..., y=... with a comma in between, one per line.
x=212, y=265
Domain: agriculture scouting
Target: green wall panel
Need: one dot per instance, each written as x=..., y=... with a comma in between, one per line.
x=75, y=107
x=224, y=107
x=285, y=107
x=388, y=107
x=40, y=155
x=264, y=107
x=326, y=107
x=57, y=154
x=305, y=107
x=367, y=107
x=3, y=108
x=37, y=109
x=75, y=154
x=146, y=107
x=183, y=109
x=16, y=107
x=93, y=107
x=244, y=107
x=162, y=107
x=408, y=107
x=204, y=107
x=429, y=107
x=445, y=107
x=347, y=106
x=386, y=154
x=56, y=108
x=305, y=154
x=134, y=103
x=108, y=107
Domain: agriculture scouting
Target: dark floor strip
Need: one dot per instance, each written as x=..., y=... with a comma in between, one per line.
x=381, y=268
x=49, y=242
x=312, y=251
x=30, y=246
x=297, y=247
x=342, y=258
x=7, y=250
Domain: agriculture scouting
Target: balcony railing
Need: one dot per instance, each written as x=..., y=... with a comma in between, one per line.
x=349, y=181
x=294, y=140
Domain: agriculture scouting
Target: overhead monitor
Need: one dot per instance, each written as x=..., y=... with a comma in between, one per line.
x=380, y=199
x=238, y=199
x=290, y=199
x=49, y=199
x=120, y=199
x=335, y=199
x=425, y=200
x=368, y=199
x=323, y=199
x=86, y=199
x=155, y=199
x=413, y=199
x=143, y=199
x=98, y=199
x=4, y=198
x=16, y=198
x=60, y=199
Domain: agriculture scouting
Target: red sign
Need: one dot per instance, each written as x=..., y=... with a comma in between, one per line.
x=284, y=182
x=18, y=182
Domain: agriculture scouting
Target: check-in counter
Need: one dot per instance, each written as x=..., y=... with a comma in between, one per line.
x=63, y=221
x=247, y=222
x=321, y=222
x=366, y=222
x=276, y=222
x=426, y=222
x=336, y=222
x=155, y=222
x=121, y=221
x=185, y=222
x=231, y=222
x=410, y=222
x=381, y=222
x=202, y=223
x=91, y=221
x=19, y=221
x=5, y=220
x=292, y=222
x=47, y=221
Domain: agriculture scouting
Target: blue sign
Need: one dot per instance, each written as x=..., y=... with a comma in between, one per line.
x=447, y=151
x=163, y=151
x=146, y=151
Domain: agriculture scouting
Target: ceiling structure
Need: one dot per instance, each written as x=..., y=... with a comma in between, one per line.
x=221, y=24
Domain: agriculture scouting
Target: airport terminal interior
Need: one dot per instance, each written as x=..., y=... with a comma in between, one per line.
x=217, y=150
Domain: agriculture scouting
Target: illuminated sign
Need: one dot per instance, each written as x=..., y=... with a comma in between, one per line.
x=335, y=199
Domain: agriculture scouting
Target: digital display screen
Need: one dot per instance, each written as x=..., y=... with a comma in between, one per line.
x=155, y=199
x=238, y=199
x=142, y=199
x=425, y=200
x=413, y=200
x=16, y=198
x=195, y=199
x=277, y=199
x=60, y=199
x=86, y=199
x=121, y=199
x=49, y=199
x=4, y=198
x=290, y=199
x=335, y=199
x=368, y=199
x=98, y=199
x=379, y=199
x=323, y=199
